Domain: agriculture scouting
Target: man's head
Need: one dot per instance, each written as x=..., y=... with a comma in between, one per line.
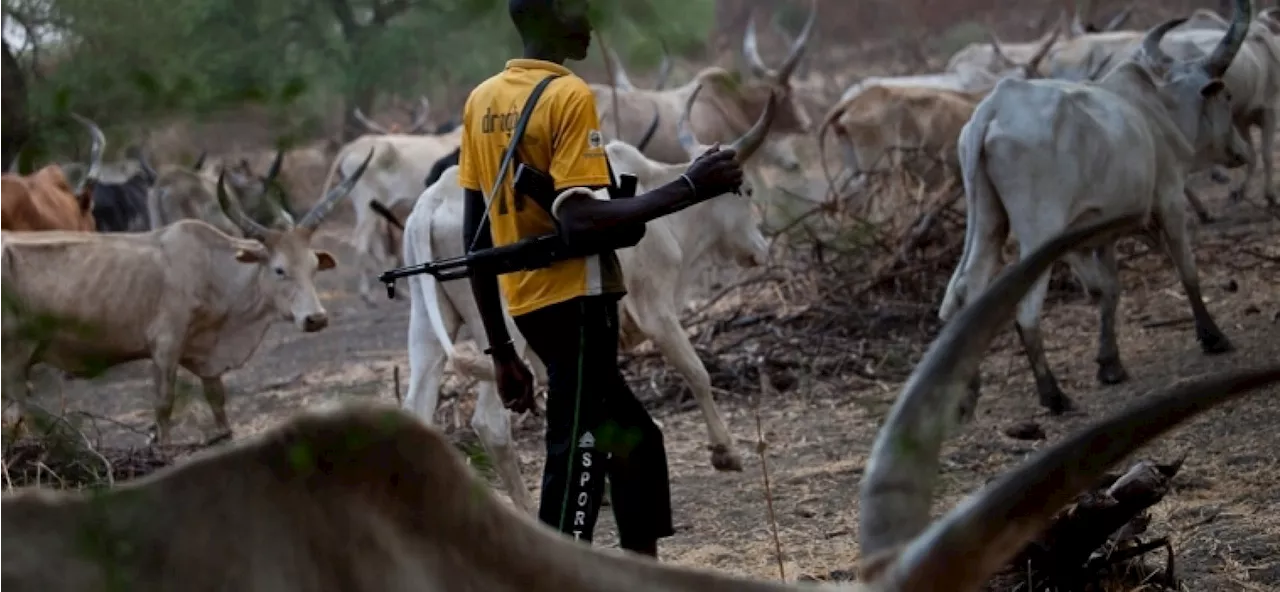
x=557, y=27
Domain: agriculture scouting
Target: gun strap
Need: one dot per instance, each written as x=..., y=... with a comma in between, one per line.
x=516, y=136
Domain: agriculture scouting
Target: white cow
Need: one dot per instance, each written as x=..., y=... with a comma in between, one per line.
x=1041, y=156
x=368, y=499
x=183, y=295
x=403, y=161
x=657, y=271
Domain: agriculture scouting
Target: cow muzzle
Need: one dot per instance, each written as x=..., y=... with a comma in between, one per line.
x=315, y=322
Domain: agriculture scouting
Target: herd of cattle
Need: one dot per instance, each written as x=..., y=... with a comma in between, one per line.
x=1069, y=142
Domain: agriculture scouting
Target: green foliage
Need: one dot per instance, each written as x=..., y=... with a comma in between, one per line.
x=128, y=61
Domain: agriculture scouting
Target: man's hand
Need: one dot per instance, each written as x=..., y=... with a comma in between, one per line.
x=515, y=381
x=715, y=173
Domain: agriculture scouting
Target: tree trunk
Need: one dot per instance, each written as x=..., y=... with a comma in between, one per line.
x=16, y=122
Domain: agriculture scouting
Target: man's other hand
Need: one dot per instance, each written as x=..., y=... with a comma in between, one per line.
x=515, y=381
x=715, y=173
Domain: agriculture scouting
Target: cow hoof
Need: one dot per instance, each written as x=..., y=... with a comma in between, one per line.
x=724, y=459
x=1056, y=402
x=1214, y=342
x=1111, y=372
x=1219, y=177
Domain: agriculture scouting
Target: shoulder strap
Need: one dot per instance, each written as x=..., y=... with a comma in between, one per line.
x=516, y=136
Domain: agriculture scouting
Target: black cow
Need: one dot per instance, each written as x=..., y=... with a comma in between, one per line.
x=439, y=167
x=122, y=207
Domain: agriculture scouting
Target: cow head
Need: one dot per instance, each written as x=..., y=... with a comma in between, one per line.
x=766, y=84
x=1194, y=94
x=737, y=218
x=418, y=126
x=263, y=196
x=287, y=262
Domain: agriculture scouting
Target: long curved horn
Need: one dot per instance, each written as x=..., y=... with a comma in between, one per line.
x=664, y=70
x=200, y=160
x=799, y=46
x=1216, y=63
x=754, y=138
x=368, y=123
x=897, y=486
x=1011, y=510
x=619, y=71
x=998, y=49
x=1151, y=41
x=95, y=152
x=423, y=108
x=687, y=140
x=751, y=51
x=147, y=169
x=316, y=215
x=274, y=171
x=650, y=131
x=231, y=207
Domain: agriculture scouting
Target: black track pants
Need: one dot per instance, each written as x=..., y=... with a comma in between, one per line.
x=596, y=426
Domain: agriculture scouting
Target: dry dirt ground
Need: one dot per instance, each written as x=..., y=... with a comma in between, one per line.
x=1223, y=516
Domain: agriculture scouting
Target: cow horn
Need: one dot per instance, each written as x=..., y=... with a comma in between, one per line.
x=231, y=206
x=147, y=169
x=1151, y=41
x=386, y=214
x=1082, y=7
x=997, y=49
x=95, y=152
x=664, y=70
x=650, y=131
x=751, y=141
x=1032, y=66
x=751, y=51
x=618, y=71
x=316, y=215
x=419, y=124
x=274, y=171
x=1216, y=63
x=687, y=140
x=368, y=123
x=1018, y=505
x=799, y=46
x=1119, y=19
x=898, y=481
x=200, y=160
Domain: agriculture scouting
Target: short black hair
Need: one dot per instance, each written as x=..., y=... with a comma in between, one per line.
x=532, y=18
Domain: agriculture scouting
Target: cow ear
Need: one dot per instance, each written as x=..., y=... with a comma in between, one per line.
x=1214, y=87
x=326, y=261
x=250, y=255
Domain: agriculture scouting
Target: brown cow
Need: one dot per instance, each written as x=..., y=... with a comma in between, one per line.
x=45, y=201
x=370, y=499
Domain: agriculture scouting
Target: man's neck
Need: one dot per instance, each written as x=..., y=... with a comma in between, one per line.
x=546, y=54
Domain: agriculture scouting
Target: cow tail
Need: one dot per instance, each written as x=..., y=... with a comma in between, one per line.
x=425, y=287
x=977, y=189
x=827, y=123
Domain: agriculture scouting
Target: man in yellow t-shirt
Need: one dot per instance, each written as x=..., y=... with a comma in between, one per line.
x=568, y=311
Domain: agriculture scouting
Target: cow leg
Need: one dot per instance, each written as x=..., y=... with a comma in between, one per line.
x=1028, y=322
x=669, y=336
x=1110, y=369
x=165, y=376
x=1238, y=192
x=1173, y=230
x=215, y=394
x=1267, y=121
x=492, y=424
x=364, y=239
x=426, y=354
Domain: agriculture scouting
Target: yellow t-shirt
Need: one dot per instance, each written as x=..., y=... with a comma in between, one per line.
x=562, y=139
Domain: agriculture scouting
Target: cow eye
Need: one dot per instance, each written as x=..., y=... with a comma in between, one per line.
x=279, y=272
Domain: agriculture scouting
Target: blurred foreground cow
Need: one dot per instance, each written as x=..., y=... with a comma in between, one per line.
x=657, y=271
x=726, y=106
x=1042, y=156
x=183, y=295
x=368, y=499
x=44, y=200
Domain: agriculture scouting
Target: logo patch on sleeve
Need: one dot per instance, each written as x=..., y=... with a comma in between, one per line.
x=595, y=139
